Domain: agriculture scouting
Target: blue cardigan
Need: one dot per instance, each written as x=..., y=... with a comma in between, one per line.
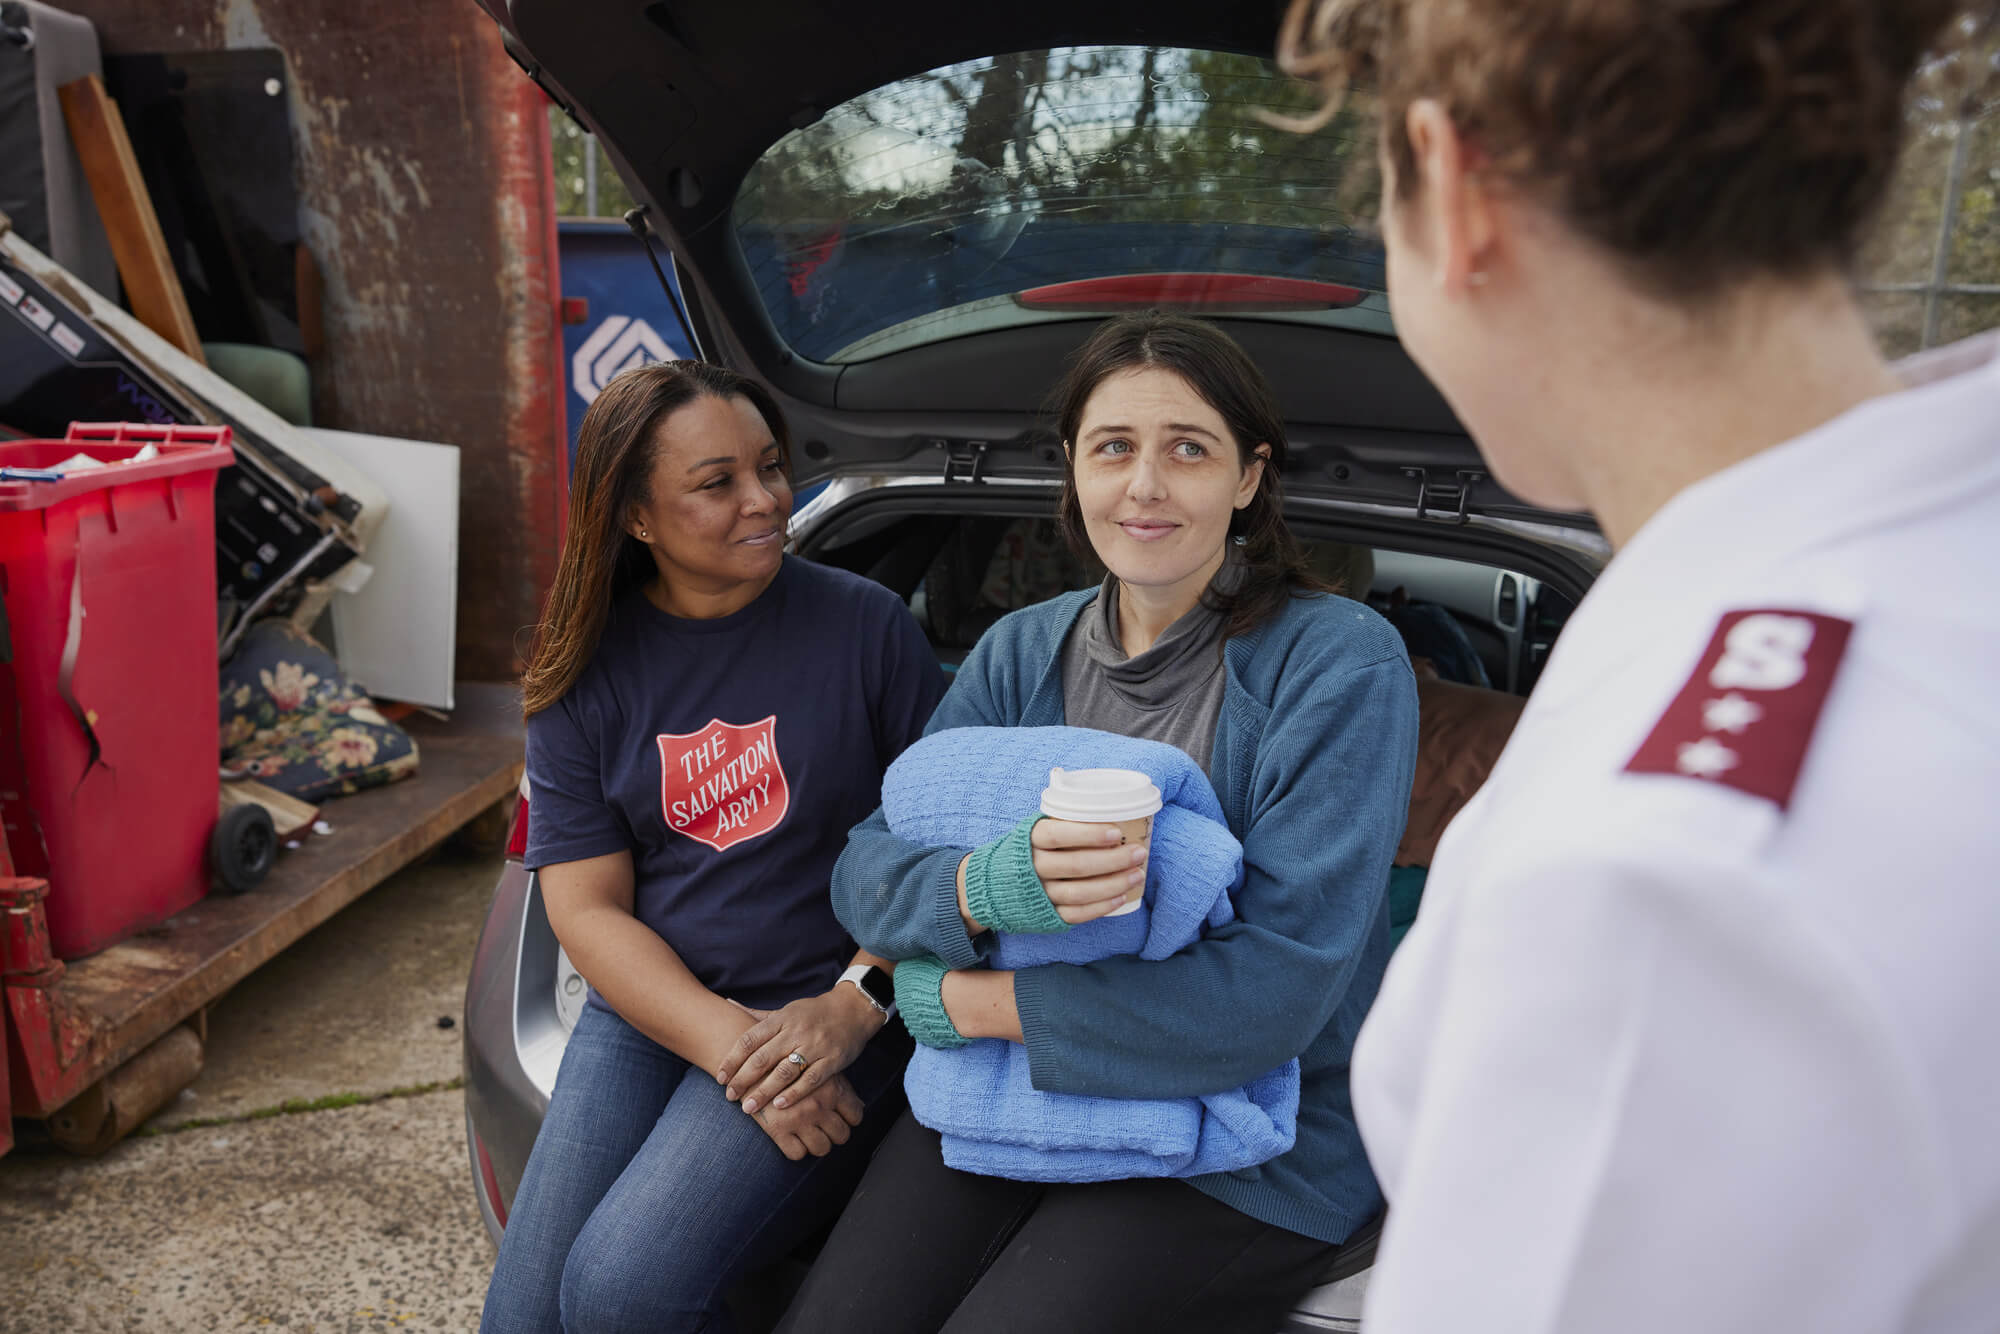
x=1314, y=754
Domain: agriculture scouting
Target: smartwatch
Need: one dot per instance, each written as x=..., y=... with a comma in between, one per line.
x=875, y=984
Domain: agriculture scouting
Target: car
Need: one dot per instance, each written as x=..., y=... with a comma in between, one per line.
x=903, y=219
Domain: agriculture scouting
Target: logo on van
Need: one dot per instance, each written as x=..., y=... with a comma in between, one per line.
x=724, y=784
x=618, y=344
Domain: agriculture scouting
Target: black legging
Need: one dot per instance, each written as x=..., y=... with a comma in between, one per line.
x=924, y=1248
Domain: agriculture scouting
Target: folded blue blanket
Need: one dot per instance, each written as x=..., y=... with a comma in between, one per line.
x=966, y=787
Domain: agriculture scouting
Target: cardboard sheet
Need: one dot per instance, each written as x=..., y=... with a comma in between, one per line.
x=397, y=635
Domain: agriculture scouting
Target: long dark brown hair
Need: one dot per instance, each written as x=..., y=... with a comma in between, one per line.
x=1227, y=380
x=601, y=562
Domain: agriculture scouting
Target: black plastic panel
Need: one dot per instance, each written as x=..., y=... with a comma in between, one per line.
x=1327, y=377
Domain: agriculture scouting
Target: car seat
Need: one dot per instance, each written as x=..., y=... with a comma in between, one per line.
x=990, y=566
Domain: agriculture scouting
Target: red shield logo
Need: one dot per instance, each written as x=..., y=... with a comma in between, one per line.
x=724, y=784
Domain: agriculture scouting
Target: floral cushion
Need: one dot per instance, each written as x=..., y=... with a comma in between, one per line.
x=291, y=721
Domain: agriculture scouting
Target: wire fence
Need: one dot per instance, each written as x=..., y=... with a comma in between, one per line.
x=1938, y=286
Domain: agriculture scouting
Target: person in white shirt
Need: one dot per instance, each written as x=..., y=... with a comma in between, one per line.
x=1699, y=1025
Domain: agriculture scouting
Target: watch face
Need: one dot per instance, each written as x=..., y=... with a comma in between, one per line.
x=881, y=988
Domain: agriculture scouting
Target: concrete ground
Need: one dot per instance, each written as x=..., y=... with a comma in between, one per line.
x=314, y=1176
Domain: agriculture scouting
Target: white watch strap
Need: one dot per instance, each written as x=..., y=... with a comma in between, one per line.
x=855, y=972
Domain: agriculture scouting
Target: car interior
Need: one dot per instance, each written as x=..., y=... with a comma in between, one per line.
x=1477, y=633
x=1473, y=623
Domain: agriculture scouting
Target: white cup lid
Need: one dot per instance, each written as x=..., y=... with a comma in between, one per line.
x=1099, y=796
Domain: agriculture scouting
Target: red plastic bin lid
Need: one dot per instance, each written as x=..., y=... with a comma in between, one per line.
x=182, y=449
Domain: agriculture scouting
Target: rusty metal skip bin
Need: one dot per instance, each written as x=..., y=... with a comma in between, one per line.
x=54, y=1068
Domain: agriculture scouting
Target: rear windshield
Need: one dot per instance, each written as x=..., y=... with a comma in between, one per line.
x=1060, y=184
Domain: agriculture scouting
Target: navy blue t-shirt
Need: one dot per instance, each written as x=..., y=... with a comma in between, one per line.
x=731, y=756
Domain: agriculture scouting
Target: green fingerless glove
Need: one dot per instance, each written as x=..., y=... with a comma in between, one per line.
x=1001, y=887
x=919, y=984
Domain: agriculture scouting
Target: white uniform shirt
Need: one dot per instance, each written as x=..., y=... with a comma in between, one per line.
x=1699, y=1025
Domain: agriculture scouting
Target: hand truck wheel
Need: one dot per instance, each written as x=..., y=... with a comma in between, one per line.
x=242, y=848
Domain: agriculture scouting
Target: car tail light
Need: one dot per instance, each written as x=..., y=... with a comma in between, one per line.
x=517, y=831
x=489, y=1184
x=1191, y=291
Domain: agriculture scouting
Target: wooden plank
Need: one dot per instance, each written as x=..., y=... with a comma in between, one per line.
x=288, y=813
x=151, y=285
x=137, y=990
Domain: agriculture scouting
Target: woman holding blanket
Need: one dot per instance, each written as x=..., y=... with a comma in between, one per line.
x=707, y=717
x=1210, y=635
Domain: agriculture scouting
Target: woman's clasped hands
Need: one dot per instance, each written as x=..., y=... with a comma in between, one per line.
x=786, y=1069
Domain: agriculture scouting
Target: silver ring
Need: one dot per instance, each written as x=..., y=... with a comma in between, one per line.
x=796, y=1058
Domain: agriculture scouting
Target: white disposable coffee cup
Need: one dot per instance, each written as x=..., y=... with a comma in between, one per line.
x=1122, y=797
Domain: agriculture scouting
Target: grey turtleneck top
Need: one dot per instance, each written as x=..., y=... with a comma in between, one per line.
x=1172, y=692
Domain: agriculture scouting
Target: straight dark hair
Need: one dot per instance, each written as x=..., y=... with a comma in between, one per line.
x=1225, y=378
x=601, y=562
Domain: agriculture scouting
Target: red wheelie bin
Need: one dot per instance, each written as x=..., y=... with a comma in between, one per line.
x=108, y=678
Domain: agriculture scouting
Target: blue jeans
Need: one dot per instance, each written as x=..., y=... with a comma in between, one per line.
x=649, y=1194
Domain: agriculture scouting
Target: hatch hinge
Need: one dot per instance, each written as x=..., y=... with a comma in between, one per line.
x=1445, y=502
x=964, y=460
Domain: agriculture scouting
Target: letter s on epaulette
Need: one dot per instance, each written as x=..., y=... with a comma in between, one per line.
x=1746, y=716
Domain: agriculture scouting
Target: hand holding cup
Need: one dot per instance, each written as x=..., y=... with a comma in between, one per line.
x=1090, y=854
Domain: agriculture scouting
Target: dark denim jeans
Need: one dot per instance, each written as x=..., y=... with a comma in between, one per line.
x=649, y=1194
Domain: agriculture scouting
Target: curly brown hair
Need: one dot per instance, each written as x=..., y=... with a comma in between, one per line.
x=1700, y=141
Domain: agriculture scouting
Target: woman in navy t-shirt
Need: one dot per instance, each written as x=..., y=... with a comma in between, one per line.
x=707, y=718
